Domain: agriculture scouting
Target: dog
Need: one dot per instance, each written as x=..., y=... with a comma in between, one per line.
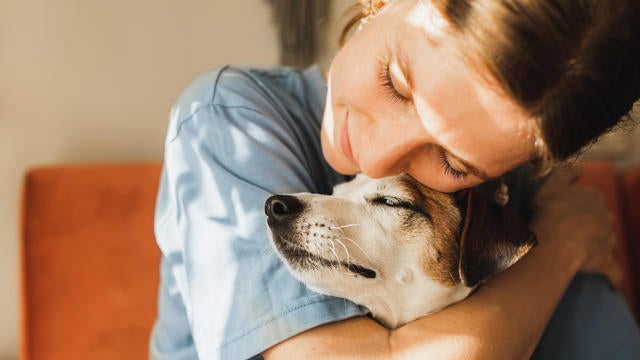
x=394, y=245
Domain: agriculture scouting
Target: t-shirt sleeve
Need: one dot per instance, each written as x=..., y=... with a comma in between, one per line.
x=227, y=150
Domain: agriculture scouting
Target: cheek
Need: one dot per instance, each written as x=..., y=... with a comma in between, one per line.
x=327, y=131
x=347, y=84
x=354, y=70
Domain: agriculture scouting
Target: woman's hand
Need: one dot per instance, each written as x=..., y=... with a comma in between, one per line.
x=576, y=217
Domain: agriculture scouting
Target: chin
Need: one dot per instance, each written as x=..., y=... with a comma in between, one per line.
x=336, y=160
x=343, y=166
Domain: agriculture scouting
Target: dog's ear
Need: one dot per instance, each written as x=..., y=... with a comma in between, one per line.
x=493, y=237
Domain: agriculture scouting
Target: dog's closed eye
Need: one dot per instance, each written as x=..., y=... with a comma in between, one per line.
x=393, y=202
x=396, y=202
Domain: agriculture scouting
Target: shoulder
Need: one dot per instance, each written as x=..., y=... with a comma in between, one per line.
x=224, y=83
x=276, y=94
x=247, y=120
x=229, y=86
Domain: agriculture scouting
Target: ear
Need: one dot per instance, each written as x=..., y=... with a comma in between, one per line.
x=493, y=238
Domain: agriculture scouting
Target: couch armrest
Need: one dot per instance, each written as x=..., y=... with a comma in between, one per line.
x=89, y=262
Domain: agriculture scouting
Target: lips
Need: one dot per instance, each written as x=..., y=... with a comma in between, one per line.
x=345, y=144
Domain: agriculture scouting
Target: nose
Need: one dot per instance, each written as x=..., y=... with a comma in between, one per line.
x=282, y=207
x=391, y=155
x=395, y=141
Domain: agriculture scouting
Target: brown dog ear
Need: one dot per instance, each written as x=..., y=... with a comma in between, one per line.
x=493, y=237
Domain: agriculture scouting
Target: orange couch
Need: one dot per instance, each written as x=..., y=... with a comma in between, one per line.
x=89, y=263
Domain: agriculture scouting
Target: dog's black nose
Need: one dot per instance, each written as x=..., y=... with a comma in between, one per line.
x=281, y=207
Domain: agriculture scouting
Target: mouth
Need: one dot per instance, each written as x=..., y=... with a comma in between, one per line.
x=304, y=260
x=345, y=144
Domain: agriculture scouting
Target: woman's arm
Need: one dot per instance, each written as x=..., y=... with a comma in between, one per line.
x=505, y=318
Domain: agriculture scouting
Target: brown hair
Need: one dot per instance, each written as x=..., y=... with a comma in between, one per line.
x=573, y=65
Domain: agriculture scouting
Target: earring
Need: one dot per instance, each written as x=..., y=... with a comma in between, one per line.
x=501, y=195
x=373, y=11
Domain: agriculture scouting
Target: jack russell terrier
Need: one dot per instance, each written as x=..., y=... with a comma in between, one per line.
x=393, y=245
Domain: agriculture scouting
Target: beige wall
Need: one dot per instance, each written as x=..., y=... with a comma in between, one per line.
x=93, y=81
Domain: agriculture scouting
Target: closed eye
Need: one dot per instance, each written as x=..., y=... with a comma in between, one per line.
x=393, y=202
x=457, y=175
x=387, y=83
x=396, y=202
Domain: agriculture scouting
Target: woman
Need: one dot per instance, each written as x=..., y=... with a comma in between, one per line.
x=454, y=93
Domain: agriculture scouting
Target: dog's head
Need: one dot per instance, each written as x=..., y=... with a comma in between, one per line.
x=394, y=245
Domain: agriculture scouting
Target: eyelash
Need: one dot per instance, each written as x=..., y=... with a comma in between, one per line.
x=387, y=82
x=392, y=201
x=449, y=170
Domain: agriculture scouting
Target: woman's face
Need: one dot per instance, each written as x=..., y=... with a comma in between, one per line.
x=400, y=102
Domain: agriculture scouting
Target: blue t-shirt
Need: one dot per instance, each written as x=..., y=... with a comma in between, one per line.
x=237, y=136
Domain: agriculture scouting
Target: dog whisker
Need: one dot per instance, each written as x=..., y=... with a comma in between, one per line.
x=333, y=250
x=346, y=251
x=343, y=236
x=340, y=227
x=359, y=248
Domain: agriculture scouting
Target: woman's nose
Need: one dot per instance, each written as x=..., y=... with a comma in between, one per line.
x=391, y=151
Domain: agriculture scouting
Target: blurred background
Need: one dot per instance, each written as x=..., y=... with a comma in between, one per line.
x=86, y=81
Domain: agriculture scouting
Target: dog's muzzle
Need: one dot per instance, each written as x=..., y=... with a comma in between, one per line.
x=282, y=211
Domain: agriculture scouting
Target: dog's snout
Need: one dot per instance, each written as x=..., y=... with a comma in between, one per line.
x=280, y=207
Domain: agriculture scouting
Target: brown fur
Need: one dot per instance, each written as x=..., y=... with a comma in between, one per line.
x=440, y=260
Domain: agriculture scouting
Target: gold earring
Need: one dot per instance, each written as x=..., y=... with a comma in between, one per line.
x=501, y=195
x=373, y=11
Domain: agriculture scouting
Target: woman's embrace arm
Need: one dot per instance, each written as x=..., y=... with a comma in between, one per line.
x=503, y=320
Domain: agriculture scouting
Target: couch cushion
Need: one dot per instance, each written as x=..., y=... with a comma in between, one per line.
x=631, y=202
x=89, y=261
